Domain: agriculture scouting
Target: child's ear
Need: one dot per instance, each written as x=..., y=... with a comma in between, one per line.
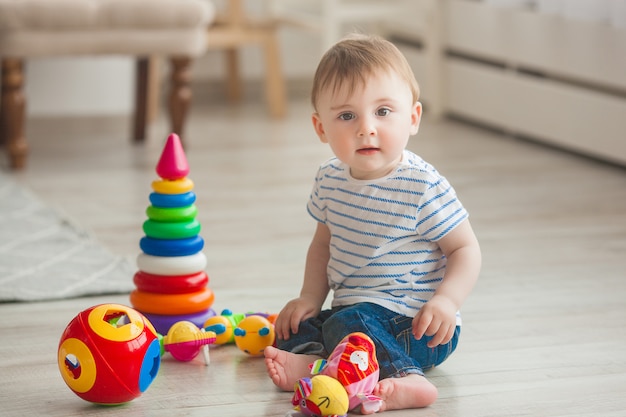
x=319, y=127
x=416, y=117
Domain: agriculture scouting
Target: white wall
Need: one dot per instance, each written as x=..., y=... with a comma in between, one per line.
x=82, y=86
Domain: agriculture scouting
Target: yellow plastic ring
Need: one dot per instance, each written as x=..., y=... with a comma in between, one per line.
x=172, y=304
x=179, y=186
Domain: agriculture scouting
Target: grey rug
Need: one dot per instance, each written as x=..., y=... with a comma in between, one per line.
x=44, y=256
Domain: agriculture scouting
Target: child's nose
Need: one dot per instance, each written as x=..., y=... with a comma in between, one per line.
x=367, y=127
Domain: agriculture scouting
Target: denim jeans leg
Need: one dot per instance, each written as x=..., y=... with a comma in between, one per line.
x=376, y=322
x=427, y=357
x=397, y=351
x=309, y=339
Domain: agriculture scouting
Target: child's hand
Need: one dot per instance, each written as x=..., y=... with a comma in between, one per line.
x=436, y=318
x=292, y=314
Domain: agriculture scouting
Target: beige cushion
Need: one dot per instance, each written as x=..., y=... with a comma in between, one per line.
x=57, y=27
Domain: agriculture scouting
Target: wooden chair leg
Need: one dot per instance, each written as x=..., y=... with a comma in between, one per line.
x=142, y=77
x=180, y=93
x=274, y=81
x=233, y=76
x=154, y=88
x=12, y=112
x=3, y=128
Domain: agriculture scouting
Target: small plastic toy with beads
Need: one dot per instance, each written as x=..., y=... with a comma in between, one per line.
x=184, y=341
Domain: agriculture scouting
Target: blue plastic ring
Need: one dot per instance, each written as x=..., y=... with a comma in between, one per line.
x=172, y=200
x=171, y=247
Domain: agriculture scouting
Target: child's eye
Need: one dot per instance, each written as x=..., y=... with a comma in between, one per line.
x=383, y=111
x=346, y=116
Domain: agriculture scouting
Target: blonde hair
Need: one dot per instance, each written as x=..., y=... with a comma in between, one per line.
x=352, y=60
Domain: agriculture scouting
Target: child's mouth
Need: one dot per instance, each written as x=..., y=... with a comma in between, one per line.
x=367, y=151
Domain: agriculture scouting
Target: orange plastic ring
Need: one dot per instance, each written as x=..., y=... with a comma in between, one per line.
x=172, y=304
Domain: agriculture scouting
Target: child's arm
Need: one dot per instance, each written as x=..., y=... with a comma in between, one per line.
x=314, y=288
x=438, y=316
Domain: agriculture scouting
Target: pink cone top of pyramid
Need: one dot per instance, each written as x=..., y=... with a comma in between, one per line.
x=173, y=163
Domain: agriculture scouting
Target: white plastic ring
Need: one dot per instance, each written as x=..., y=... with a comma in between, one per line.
x=171, y=265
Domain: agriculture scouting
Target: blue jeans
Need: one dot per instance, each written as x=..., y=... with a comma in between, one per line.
x=397, y=351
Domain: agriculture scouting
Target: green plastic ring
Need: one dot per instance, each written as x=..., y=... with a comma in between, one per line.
x=171, y=230
x=172, y=214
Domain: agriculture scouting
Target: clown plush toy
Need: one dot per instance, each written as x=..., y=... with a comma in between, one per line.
x=353, y=363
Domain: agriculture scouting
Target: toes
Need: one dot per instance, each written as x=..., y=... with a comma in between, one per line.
x=270, y=352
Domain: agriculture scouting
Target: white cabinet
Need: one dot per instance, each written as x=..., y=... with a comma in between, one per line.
x=558, y=80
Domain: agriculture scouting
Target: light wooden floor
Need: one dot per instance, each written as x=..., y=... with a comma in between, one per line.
x=544, y=332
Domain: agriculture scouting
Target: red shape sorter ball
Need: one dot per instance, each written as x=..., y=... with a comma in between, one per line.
x=109, y=354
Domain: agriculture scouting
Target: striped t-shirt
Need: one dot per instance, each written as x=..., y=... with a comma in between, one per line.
x=384, y=232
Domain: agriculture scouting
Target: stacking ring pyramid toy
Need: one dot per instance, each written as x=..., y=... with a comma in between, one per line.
x=172, y=284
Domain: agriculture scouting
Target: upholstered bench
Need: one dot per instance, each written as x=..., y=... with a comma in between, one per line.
x=141, y=28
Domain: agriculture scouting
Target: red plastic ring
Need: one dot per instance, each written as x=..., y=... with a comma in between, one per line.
x=170, y=284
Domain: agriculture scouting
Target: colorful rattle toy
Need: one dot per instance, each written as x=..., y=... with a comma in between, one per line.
x=253, y=334
x=171, y=283
x=185, y=340
x=109, y=354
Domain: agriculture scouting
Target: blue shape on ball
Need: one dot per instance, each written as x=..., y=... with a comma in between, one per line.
x=150, y=365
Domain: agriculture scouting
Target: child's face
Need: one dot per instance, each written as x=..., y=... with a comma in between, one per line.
x=369, y=129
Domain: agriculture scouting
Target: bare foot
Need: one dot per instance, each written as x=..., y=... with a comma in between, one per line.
x=286, y=368
x=411, y=391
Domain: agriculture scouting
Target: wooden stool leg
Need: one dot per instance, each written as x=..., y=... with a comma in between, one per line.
x=141, y=97
x=180, y=93
x=13, y=108
x=274, y=81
